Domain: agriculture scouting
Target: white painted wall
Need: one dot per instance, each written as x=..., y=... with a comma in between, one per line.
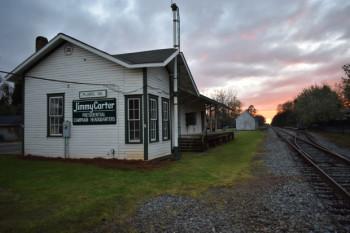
x=158, y=84
x=190, y=129
x=86, y=141
x=245, y=122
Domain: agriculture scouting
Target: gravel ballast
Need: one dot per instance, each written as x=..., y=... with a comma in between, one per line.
x=326, y=143
x=276, y=199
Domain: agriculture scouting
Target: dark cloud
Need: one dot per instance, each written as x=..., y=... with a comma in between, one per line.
x=266, y=50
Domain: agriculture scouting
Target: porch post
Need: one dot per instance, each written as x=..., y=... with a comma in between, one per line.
x=205, y=119
x=216, y=117
x=145, y=113
x=176, y=113
x=23, y=112
x=210, y=119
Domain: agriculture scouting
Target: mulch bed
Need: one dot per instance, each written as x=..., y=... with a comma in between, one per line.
x=107, y=163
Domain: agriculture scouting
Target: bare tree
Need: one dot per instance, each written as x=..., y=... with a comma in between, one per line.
x=229, y=98
x=5, y=95
x=346, y=85
x=342, y=88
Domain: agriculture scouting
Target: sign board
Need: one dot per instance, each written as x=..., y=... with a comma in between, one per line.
x=92, y=94
x=94, y=112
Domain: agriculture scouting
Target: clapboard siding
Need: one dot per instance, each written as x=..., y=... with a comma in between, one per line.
x=86, y=141
x=190, y=129
x=246, y=122
x=158, y=85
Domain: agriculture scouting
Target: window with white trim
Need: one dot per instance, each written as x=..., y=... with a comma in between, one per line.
x=153, y=118
x=55, y=117
x=165, y=119
x=134, y=119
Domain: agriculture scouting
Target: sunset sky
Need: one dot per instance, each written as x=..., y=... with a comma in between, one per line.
x=267, y=51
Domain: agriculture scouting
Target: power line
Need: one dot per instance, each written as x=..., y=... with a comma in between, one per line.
x=54, y=80
x=112, y=87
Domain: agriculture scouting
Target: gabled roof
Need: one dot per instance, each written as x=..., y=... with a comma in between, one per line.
x=245, y=113
x=158, y=58
x=151, y=58
x=146, y=57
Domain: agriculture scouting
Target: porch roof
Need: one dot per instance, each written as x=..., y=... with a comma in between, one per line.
x=186, y=96
x=213, y=102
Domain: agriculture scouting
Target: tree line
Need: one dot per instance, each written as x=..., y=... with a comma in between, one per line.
x=317, y=104
x=10, y=98
x=230, y=99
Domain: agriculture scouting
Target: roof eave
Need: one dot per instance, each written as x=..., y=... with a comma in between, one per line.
x=60, y=38
x=190, y=74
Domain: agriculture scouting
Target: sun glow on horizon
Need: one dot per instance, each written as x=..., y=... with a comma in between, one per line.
x=268, y=114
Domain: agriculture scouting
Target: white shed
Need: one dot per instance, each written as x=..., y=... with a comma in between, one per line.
x=246, y=122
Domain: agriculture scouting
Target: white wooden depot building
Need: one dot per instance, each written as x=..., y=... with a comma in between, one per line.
x=114, y=106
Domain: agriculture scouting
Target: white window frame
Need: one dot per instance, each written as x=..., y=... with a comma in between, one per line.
x=135, y=119
x=165, y=119
x=55, y=115
x=153, y=119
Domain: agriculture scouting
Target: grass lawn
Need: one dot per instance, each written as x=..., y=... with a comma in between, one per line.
x=51, y=196
x=341, y=139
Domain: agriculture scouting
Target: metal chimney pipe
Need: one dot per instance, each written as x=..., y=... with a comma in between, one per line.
x=176, y=25
x=178, y=28
x=176, y=39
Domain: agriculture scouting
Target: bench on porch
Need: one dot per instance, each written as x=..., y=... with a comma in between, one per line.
x=201, y=142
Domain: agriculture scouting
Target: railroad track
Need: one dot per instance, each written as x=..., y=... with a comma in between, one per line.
x=333, y=167
x=328, y=172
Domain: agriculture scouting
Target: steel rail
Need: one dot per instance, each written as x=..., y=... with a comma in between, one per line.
x=341, y=190
x=318, y=146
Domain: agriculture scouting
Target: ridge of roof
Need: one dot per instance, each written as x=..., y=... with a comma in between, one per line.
x=147, y=56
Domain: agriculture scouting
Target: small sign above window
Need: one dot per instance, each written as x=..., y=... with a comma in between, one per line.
x=92, y=94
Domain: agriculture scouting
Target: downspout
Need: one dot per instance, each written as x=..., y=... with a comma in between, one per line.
x=145, y=113
x=22, y=108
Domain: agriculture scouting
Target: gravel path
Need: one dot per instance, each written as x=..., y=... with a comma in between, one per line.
x=326, y=143
x=175, y=214
x=278, y=199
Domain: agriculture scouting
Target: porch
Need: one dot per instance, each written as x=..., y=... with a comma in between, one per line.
x=201, y=142
x=203, y=122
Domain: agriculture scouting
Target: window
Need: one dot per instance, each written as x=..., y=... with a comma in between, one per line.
x=55, y=114
x=190, y=118
x=165, y=119
x=133, y=118
x=153, y=118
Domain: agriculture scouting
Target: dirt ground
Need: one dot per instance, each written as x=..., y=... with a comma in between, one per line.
x=108, y=163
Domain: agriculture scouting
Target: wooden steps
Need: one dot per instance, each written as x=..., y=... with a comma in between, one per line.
x=203, y=142
x=191, y=144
